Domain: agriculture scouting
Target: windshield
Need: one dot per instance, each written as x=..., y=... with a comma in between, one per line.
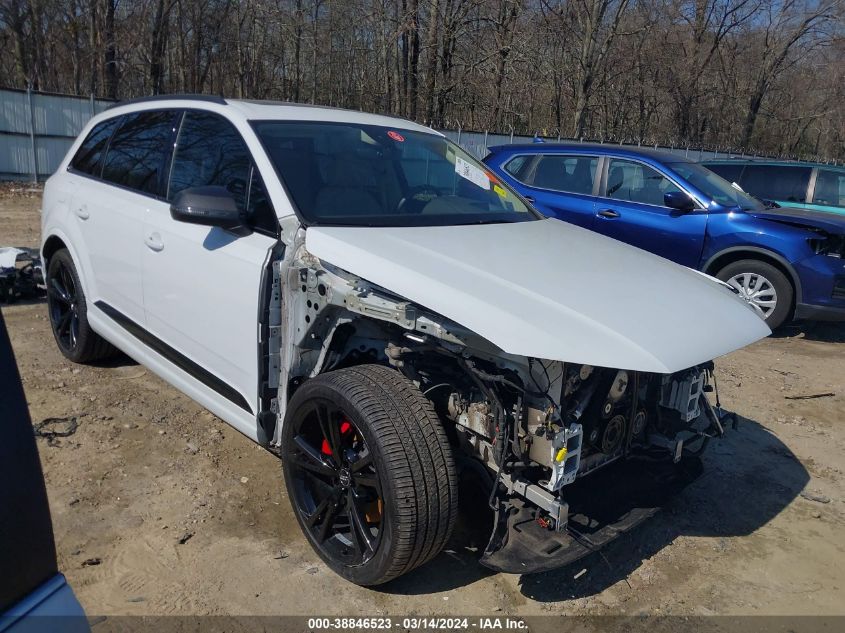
x=349, y=174
x=715, y=187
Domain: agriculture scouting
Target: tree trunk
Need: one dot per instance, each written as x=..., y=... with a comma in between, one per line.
x=110, y=55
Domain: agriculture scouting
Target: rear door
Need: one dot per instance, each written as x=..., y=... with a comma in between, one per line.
x=562, y=186
x=110, y=204
x=201, y=284
x=631, y=210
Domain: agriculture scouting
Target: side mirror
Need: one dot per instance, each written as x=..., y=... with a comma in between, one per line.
x=209, y=206
x=678, y=200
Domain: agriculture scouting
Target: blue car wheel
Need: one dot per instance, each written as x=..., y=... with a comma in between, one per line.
x=763, y=286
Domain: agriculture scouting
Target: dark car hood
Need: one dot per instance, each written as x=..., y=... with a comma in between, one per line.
x=803, y=218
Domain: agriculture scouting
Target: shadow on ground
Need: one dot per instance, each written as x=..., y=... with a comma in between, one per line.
x=821, y=331
x=749, y=477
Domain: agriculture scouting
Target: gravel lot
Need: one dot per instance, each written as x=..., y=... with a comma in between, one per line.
x=187, y=516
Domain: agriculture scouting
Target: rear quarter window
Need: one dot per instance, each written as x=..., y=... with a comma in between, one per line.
x=138, y=150
x=830, y=188
x=89, y=156
x=518, y=166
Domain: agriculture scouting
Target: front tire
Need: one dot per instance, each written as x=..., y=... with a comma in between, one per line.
x=68, y=312
x=369, y=472
x=766, y=288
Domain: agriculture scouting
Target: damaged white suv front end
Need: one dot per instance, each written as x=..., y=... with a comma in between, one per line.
x=547, y=350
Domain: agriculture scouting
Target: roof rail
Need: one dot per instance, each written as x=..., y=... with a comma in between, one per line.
x=180, y=97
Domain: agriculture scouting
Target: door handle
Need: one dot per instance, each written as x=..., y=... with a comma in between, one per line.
x=610, y=214
x=153, y=242
x=82, y=212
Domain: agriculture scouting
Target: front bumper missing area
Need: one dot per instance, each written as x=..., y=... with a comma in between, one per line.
x=602, y=506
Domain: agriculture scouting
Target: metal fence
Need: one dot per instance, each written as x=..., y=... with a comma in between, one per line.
x=477, y=144
x=37, y=129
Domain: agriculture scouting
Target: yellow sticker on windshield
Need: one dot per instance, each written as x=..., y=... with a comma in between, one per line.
x=502, y=193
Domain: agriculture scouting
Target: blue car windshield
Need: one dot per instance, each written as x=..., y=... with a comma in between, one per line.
x=351, y=174
x=715, y=187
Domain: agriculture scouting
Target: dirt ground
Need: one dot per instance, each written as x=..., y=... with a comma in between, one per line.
x=186, y=516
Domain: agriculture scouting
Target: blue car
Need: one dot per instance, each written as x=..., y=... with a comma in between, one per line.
x=787, y=263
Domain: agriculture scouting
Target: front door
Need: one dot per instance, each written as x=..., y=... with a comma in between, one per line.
x=202, y=284
x=631, y=210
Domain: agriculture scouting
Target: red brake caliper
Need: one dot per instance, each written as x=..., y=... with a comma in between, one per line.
x=345, y=429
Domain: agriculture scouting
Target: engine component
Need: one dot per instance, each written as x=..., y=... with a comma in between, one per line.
x=583, y=398
x=681, y=392
x=585, y=372
x=607, y=409
x=562, y=453
x=614, y=431
x=476, y=416
x=638, y=424
x=620, y=385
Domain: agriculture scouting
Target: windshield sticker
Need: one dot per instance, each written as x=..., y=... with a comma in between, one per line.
x=472, y=173
x=502, y=193
x=395, y=136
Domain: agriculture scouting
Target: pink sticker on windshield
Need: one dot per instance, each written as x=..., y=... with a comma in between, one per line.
x=396, y=136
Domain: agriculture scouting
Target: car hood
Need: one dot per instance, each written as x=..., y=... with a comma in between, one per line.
x=551, y=290
x=803, y=218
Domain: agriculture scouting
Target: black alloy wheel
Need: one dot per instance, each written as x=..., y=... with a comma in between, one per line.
x=337, y=490
x=63, y=303
x=68, y=312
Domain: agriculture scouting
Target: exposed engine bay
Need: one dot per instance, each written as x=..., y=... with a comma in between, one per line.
x=535, y=426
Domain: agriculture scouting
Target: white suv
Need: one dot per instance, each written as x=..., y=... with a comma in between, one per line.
x=362, y=296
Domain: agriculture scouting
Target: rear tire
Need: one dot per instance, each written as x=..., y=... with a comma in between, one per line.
x=396, y=467
x=760, y=284
x=68, y=311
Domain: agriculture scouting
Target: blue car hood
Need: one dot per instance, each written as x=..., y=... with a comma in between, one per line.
x=803, y=218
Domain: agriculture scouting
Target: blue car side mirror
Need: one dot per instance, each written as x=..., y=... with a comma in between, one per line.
x=678, y=200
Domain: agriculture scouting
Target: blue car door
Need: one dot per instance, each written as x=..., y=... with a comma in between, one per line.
x=631, y=209
x=559, y=185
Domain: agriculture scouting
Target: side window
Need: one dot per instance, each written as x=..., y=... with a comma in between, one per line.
x=90, y=154
x=517, y=166
x=562, y=172
x=830, y=188
x=777, y=182
x=731, y=172
x=138, y=150
x=635, y=182
x=210, y=152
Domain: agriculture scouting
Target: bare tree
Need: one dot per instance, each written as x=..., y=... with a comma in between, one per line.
x=767, y=76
